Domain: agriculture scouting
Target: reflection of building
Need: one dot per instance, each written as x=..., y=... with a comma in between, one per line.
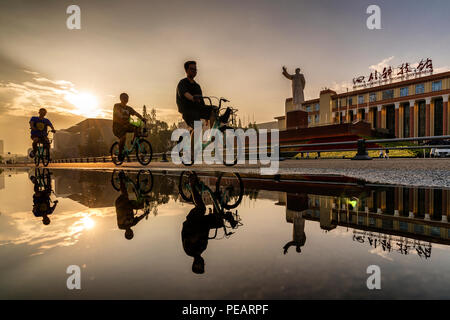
x=67, y=142
x=414, y=107
x=397, y=219
x=91, y=189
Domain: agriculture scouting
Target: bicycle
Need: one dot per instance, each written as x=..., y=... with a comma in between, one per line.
x=139, y=188
x=216, y=126
x=228, y=195
x=43, y=152
x=42, y=179
x=142, y=147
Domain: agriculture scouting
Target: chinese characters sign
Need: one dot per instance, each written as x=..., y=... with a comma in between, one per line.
x=389, y=74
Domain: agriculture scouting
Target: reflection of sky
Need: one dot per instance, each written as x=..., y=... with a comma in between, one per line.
x=250, y=264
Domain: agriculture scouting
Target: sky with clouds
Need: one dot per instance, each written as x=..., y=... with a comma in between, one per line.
x=139, y=47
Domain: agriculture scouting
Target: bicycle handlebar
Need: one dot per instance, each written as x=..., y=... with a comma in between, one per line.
x=210, y=101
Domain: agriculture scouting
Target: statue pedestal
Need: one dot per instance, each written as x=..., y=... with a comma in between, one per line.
x=296, y=118
x=290, y=106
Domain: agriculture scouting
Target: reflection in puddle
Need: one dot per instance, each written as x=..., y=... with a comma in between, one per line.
x=282, y=239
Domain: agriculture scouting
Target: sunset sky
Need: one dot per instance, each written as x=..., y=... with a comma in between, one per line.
x=139, y=47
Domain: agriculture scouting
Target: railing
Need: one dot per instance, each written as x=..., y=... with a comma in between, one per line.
x=104, y=159
x=361, y=148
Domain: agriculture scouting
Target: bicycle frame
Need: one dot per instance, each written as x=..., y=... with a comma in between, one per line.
x=134, y=145
x=216, y=123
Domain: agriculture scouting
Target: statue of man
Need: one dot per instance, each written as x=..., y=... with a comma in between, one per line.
x=298, y=85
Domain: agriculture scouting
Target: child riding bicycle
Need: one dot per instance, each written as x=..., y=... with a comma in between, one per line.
x=39, y=134
x=121, y=122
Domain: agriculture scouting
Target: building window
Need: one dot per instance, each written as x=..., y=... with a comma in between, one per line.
x=372, y=97
x=336, y=103
x=404, y=92
x=360, y=99
x=309, y=119
x=316, y=118
x=350, y=101
x=308, y=108
x=317, y=107
x=436, y=85
x=388, y=94
x=420, y=88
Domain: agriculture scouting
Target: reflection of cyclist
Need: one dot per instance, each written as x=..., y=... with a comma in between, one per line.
x=121, y=122
x=41, y=201
x=124, y=209
x=190, y=105
x=195, y=232
x=38, y=126
x=299, y=236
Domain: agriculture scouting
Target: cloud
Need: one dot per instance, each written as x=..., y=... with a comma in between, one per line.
x=381, y=65
x=23, y=98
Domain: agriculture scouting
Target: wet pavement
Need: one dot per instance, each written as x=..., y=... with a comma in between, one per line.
x=139, y=235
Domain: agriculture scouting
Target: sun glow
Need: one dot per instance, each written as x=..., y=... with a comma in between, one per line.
x=85, y=104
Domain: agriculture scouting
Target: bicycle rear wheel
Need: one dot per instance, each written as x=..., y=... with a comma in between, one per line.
x=230, y=189
x=231, y=152
x=115, y=180
x=184, y=187
x=144, y=152
x=37, y=159
x=114, y=151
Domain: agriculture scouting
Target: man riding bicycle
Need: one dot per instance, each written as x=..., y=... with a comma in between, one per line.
x=39, y=134
x=121, y=122
x=190, y=102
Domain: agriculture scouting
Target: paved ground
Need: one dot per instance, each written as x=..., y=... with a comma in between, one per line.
x=412, y=172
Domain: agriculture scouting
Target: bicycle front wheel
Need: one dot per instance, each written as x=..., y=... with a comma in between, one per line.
x=145, y=181
x=230, y=189
x=45, y=157
x=144, y=152
x=114, y=151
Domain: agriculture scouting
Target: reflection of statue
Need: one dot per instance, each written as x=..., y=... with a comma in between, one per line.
x=298, y=85
x=299, y=236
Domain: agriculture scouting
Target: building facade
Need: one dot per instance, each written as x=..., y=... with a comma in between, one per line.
x=413, y=107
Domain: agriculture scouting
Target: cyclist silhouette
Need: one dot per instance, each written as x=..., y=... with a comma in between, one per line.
x=38, y=126
x=121, y=122
x=190, y=102
x=41, y=200
x=124, y=209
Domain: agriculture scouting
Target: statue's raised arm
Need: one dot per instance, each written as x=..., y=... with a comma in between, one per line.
x=286, y=74
x=298, y=85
